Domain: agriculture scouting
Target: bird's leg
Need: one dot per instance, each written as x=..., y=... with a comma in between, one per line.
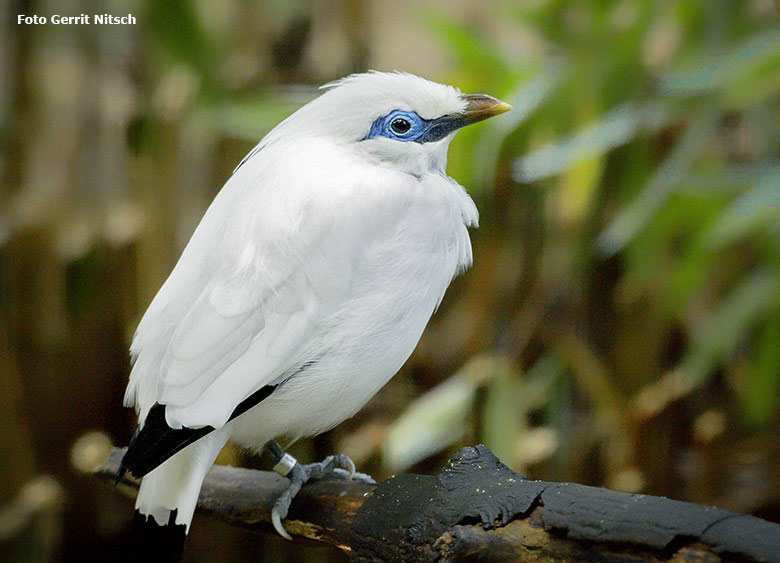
x=339, y=466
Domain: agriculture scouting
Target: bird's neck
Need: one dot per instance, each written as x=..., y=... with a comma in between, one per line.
x=417, y=163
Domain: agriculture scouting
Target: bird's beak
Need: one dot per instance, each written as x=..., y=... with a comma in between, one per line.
x=478, y=107
x=482, y=106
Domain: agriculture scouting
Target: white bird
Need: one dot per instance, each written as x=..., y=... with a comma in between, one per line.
x=305, y=287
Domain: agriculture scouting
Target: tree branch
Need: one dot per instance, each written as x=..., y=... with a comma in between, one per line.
x=477, y=509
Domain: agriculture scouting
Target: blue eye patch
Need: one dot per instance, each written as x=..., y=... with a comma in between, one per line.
x=402, y=125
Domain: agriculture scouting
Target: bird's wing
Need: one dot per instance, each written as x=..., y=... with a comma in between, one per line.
x=242, y=300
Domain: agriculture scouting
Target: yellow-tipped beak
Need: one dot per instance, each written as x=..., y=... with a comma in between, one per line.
x=482, y=106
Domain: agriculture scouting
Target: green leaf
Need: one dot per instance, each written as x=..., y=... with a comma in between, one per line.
x=434, y=421
x=468, y=47
x=735, y=71
x=524, y=102
x=757, y=208
x=760, y=392
x=614, y=129
x=175, y=25
x=718, y=335
x=503, y=413
x=635, y=216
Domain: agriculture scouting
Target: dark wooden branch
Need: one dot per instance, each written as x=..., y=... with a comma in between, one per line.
x=477, y=509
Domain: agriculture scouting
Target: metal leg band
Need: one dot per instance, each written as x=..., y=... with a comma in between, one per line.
x=285, y=464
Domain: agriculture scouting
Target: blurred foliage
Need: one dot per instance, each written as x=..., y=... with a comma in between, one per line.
x=645, y=141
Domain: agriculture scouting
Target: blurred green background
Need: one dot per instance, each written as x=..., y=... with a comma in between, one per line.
x=621, y=323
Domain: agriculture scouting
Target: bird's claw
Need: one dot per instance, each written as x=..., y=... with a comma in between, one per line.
x=276, y=519
x=339, y=466
x=347, y=464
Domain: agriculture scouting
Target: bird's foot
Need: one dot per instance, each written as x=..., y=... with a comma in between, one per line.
x=338, y=466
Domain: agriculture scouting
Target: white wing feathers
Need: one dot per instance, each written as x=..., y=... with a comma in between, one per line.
x=235, y=311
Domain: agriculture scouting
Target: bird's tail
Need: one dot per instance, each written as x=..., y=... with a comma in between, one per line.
x=167, y=498
x=154, y=542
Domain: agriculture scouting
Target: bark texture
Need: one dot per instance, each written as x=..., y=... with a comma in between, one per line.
x=477, y=509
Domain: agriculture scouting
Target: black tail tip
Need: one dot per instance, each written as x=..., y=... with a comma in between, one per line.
x=154, y=542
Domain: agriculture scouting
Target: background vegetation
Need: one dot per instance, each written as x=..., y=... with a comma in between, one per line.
x=620, y=326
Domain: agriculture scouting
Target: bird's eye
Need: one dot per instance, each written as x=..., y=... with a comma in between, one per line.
x=400, y=126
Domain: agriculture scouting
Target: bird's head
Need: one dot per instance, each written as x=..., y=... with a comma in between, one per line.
x=396, y=118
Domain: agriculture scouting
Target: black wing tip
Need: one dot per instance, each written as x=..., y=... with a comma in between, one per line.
x=132, y=463
x=155, y=442
x=125, y=470
x=119, y=474
x=129, y=461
